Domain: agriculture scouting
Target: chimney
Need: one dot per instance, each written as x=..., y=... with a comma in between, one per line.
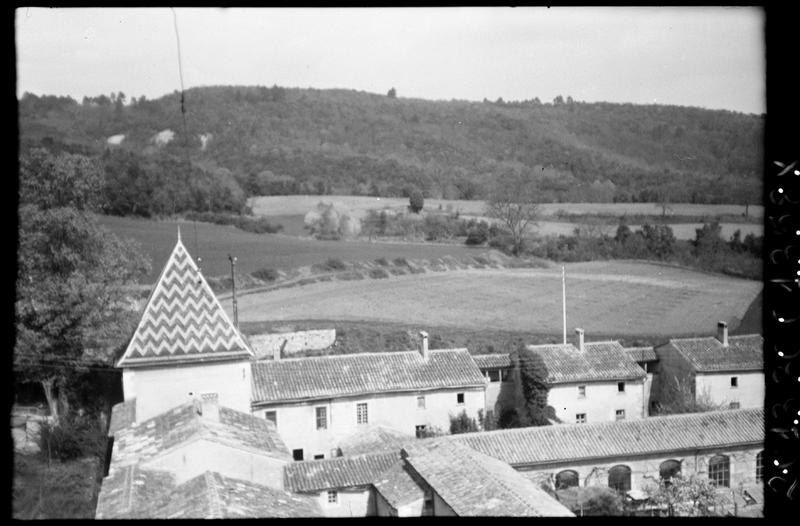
x=579, y=333
x=209, y=403
x=276, y=352
x=722, y=333
x=423, y=344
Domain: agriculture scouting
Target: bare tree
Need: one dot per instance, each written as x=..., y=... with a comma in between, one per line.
x=512, y=200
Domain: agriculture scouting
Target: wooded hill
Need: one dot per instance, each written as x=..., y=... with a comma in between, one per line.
x=307, y=141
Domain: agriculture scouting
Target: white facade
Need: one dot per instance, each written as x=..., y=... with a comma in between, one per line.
x=159, y=389
x=297, y=423
x=598, y=401
x=748, y=391
x=349, y=502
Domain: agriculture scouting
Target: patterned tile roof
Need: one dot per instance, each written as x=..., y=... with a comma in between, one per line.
x=398, y=486
x=358, y=374
x=134, y=493
x=707, y=355
x=641, y=354
x=182, y=320
x=599, y=361
x=490, y=361
x=472, y=483
x=373, y=439
x=123, y=414
x=340, y=472
x=143, y=441
x=564, y=443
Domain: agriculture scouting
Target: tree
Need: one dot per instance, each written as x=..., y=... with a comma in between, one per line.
x=392, y=93
x=558, y=100
x=533, y=386
x=513, y=201
x=72, y=279
x=463, y=423
x=692, y=496
x=416, y=201
x=660, y=239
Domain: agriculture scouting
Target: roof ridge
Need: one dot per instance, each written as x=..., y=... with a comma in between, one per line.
x=357, y=354
x=215, y=501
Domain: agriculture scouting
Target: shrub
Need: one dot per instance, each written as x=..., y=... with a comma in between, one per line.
x=477, y=235
x=74, y=437
x=382, y=262
x=349, y=276
x=335, y=264
x=401, y=262
x=462, y=423
x=378, y=273
x=266, y=274
x=416, y=201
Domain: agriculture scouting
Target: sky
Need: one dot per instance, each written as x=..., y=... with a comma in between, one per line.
x=710, y=57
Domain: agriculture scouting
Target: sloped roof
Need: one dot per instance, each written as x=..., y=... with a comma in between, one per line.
x=641, y=354
x=182, y=321
x=140, y=442
x=569, y=442
x=599, y=361
x=472, y=483
x=707, y=355
x=365, y=373
x=131, y=492
x=373, y=438
x=398, y=486
x=492, y=361
x=340, y=472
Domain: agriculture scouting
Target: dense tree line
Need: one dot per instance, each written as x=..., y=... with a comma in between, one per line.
x=277, y=141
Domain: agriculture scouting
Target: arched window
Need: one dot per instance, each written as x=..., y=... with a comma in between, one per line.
x=619, y=478
x=719, y=470
x=566, y=479
x=669, y=468
x=760, y=467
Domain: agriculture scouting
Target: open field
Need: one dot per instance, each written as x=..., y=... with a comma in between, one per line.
x=300, y=204
x=612, y=299
x=256, y=251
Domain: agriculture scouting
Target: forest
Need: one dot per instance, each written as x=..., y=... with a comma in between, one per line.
x=233, y=142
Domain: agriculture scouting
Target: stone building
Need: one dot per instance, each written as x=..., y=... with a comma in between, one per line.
x=723, y=371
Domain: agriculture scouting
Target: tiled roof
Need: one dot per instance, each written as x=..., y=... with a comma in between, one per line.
x=599, y=361
x=340, y=472
x=489, y=361
x=641, y=354
x=123, y=414
x=183, y=321
x=563, y=443
x=358, y=374
x=398, y=487
x=743, y=353
x=473, y=484
x=145, y=440
x=134, y=493
x=373, y=439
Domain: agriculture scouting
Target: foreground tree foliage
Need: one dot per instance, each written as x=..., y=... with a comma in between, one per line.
x=533, y=410
x=692, y=496
x=71, y=303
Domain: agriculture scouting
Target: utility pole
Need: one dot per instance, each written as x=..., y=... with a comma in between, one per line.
x=233, y=284
x=564, y=301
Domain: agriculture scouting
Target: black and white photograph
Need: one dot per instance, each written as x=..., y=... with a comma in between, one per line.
x=393, y=262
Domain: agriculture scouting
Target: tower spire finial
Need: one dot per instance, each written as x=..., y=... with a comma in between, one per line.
x=179, y=233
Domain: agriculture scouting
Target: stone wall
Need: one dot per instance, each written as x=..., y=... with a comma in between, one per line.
x=265, y=345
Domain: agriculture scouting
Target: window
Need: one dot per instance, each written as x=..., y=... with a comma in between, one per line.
x=719, y=470
x=567, y=479
x=734, y=405
x=504, y=375
x=760, y=467
x=361, y=414
x=619, y=478
x=272, y=416
x=734, y=381
x=336, y=452
x=322, y=418
x=620, y=414
x=580, y=418
x=420, y=402
x=620, y=387
x=297, y=454
x=460, y=398
x=420, y=431
x=319, y=457
x=581, y=391
x=494, y=375
x=333, y=497
x=669, y=468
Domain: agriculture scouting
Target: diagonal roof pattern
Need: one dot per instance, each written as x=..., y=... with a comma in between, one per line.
x=182, y=321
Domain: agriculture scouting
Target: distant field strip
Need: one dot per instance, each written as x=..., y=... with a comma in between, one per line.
x=300, y=204
x=625, y=298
